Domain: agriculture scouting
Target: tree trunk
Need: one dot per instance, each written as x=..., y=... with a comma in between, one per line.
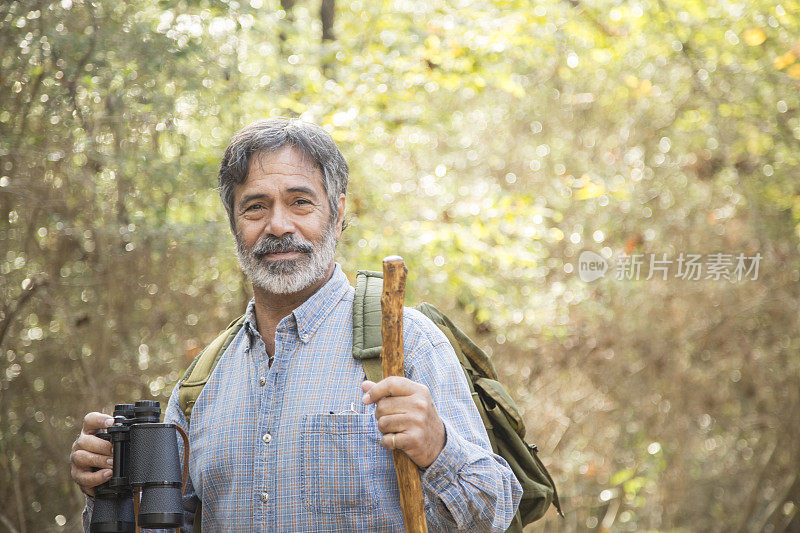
x=327, y=9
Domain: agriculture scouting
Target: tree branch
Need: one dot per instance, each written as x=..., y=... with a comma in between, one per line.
x=6, y=522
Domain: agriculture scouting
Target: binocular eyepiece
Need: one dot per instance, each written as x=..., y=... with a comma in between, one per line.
x=146, y=458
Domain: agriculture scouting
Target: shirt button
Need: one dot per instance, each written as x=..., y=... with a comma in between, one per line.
x=267, y=437
x=264, y=497
x=262, y=381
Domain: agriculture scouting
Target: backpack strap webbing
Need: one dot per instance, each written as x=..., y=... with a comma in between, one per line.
x=196, y=376
x=367, y=338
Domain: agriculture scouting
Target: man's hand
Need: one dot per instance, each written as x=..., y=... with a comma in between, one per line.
x=90, y=452
x=407, y=418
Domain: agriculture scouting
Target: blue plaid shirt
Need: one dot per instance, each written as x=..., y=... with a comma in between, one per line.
x=279, y=447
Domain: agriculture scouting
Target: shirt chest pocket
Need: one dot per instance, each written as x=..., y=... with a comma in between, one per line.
x=341, y=462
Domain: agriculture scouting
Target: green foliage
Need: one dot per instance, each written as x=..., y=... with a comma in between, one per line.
x=489, y=143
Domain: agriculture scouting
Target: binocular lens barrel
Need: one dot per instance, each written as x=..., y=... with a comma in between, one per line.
x=113, y=514
x=154, y=455
x=147, y=411
x=160, y=507
x=124, y=409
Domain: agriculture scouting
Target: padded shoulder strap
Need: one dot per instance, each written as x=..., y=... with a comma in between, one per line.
x=367, y=315
x=196, y=376
x=367, y=322
x=471, y=357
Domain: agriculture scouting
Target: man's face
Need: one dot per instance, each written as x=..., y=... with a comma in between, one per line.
x=285, y=238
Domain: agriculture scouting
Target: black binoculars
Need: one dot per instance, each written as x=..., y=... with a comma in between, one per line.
x=146, y=458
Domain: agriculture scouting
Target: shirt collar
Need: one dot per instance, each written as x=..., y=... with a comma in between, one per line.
x=311, y=313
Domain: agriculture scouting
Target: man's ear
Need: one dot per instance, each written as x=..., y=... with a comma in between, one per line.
x=340, y=215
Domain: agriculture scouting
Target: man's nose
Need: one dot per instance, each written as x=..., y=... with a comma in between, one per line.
x=280, y=222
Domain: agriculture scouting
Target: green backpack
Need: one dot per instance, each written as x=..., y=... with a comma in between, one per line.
x=498, y=411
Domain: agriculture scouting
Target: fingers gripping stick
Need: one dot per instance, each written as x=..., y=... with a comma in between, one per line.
x=408, y=480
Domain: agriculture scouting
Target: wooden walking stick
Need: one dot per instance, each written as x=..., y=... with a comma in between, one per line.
x=392, y=297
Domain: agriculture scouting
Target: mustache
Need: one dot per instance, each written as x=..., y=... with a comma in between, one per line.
x=270, y=244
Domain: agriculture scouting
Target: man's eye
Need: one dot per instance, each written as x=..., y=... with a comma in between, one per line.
x=302, y=201
x=252, y=207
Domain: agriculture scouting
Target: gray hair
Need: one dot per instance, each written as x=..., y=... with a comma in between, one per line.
x=267, y=136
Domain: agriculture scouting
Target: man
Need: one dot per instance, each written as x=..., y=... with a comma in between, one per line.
x=287, y=433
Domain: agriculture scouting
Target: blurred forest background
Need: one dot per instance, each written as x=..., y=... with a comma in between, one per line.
x=490, y=143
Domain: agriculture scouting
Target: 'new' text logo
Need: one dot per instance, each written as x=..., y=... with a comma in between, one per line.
x=591, y=266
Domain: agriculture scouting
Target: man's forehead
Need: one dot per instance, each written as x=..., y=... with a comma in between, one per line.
x=285, y=160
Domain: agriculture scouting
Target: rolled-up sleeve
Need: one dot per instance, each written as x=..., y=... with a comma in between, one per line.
x=86, y=516
x=467, y=487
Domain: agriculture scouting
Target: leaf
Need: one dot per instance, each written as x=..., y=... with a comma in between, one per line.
x=621, y=476
x=784, y=60
x=754, y=36
x=590, y=190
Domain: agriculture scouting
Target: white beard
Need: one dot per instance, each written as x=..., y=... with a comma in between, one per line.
x=288, y=276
